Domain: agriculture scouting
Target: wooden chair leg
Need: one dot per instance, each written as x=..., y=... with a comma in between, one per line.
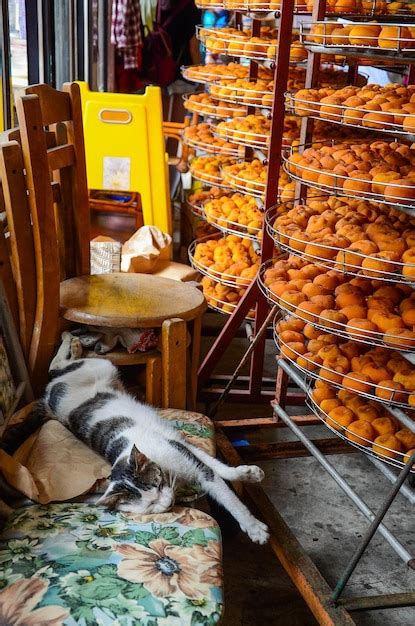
x=194, y=362
x=153, y=381
x=173, y=342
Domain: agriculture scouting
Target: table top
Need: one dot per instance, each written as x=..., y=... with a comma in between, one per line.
x=129, y=300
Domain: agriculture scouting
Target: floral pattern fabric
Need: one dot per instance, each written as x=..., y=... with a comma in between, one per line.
x=77, y=565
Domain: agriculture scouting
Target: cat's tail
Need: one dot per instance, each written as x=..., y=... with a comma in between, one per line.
x=18, y=433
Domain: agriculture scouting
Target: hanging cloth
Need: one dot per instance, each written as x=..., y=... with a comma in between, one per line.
x=148, y=10
x=126, y=32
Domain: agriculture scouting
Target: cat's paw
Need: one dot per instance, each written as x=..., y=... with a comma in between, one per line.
x=76, y=348
x=250, y=473
x=66, y=337
x=257, y=531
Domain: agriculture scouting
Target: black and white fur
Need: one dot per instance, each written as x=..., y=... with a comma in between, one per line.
x=142, y=448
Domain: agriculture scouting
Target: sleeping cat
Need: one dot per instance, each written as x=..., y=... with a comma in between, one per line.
x=142, y=448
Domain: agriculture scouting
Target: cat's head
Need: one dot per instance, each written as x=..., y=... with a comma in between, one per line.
x=138, y=485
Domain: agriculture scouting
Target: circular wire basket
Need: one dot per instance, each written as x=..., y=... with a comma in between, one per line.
x=207, y=74
x=233, y=44
x=235, y=94
x=243, y=137
x=229, y=280
x=231, y=227
x=297, y=172
x=396, y=398
x=212, y=148
x=261, y=8
x=398, y=48
x=348, y=332
x=226, y=308
x=211, y=108
x=342, y=260
x=387, y=455
x=209, y=178
x=385, y=122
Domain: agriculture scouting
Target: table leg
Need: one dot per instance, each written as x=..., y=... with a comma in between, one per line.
x=153, y=381
x=194, y=363
x=173, y=342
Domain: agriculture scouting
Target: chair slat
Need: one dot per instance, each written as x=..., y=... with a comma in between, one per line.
x=81, y=213
x=45, y=241
x=61, y=156
x=6, y=276
x=21, y=238
x=55, y=105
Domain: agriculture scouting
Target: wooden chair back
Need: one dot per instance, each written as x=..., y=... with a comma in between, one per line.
x=52, y=140
x=19, y=245
x=46, y=198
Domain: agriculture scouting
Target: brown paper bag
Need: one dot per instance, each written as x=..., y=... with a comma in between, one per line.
x=144, y=250
x=52, y=465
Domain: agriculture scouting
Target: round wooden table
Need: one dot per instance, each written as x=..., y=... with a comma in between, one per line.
x=129, y=300
x=124, y=300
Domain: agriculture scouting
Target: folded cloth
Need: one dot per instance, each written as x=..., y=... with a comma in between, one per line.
x=103, y=340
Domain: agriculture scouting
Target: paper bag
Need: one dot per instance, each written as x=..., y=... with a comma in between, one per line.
x=144, y=250
x=105, y=255
x=52, y=465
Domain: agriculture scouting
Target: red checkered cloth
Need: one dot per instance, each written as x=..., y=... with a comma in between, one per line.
x=126, y=31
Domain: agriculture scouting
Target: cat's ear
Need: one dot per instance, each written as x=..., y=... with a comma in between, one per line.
x=137, y=459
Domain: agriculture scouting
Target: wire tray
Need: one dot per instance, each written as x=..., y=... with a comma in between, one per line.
x=399, y=48
x=260, y=8
x=243, y=137
x=206, y=74
x=231, y=227
x=228, y=92
x=367, y=11
x=385, y=122
x=212, y=148
x=209, y=194
x=211, y=179
x=293, y=244
x=229, y=307
x=398, y=457
x=209, y=4
x=250, y=138
x=405, y=204
x=241, y=45
x=211, y=108
x=372, y=338
x=223, y=278
x=316, y=375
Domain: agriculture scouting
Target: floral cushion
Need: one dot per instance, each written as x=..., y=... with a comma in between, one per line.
x=74, y=565
x=199, y=431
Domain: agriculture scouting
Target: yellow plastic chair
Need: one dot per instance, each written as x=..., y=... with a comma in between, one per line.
x=125, y=149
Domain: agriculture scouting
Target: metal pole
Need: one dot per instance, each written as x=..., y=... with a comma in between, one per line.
x=367, y=537
x=361, y=505
x=6, y=63
x=244, y=359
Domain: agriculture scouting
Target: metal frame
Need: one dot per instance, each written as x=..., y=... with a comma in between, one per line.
x=6, y=64
x=253, y=295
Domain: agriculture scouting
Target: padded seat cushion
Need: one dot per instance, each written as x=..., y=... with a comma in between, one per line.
x=78, y=565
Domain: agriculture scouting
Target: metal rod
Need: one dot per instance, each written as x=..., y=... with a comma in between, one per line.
x=244, y=359
x=6, y=61
x=402, y=417
x=344, y=485
x=367, y=537
x=406, y=491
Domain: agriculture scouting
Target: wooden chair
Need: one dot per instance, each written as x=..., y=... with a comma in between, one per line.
x=52, y=154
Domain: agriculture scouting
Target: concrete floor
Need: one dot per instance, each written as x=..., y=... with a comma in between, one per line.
x=326, y=522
